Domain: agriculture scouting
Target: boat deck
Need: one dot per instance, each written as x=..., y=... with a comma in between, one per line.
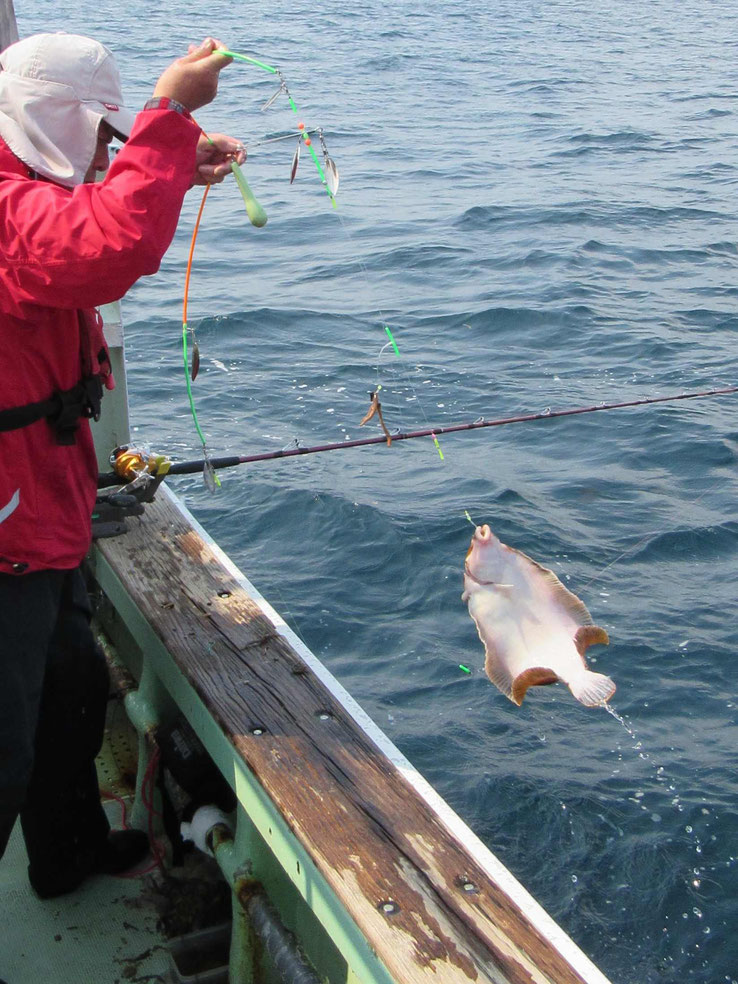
x=104, y=933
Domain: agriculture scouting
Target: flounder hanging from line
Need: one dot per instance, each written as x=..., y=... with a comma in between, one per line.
x=534, y=630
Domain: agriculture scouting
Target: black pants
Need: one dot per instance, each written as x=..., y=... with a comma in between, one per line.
x=53, y=696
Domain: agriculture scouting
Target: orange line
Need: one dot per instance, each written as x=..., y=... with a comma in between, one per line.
x=192, y=253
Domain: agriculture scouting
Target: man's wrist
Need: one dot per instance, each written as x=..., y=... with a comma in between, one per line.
x=164, y=102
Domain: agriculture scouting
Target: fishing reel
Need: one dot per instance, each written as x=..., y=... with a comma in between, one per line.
x=139, y=469
x=140, y=474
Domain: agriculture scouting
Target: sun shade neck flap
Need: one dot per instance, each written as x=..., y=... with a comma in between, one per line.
x=54, y=91
x=54, y=134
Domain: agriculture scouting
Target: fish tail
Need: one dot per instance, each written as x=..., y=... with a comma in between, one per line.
x=592, y=689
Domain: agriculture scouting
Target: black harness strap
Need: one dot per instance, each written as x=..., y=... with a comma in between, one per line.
x=62, y=410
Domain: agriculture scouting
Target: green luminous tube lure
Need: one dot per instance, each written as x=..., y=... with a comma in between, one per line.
x=255, y=212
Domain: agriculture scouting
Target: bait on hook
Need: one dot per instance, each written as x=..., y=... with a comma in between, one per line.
x=296, y=160
x=376, y=408
x=195, y=357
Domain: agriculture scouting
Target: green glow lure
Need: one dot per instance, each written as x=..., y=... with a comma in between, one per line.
x=245, y=58
x=392, y=340
x=255, y=212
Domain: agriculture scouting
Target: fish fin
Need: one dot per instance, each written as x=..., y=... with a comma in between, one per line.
x=536, y=676
x=494, y=665
x=592, y=689
x=590, y=635
x=496, y=672
x=567, y=599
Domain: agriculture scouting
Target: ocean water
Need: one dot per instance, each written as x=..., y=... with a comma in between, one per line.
x=541, y=200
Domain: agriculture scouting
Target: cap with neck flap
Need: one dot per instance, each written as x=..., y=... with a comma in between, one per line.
x=55, y=89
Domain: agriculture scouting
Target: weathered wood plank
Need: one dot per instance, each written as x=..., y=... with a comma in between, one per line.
x=8, y=26
x=369, y=832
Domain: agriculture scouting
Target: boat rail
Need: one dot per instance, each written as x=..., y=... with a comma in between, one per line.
x=364, y=863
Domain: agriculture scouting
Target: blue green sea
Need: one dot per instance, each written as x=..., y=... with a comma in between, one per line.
x=541, y=201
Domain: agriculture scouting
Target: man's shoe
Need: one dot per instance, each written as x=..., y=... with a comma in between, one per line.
x=121, y=850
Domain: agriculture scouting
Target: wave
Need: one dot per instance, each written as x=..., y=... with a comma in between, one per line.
x=692, y=543
x=583, y=214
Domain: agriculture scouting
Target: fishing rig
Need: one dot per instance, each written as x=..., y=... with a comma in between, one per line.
x=328, y=172
x=140, y=472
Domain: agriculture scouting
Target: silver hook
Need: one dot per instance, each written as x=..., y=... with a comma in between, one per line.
x=272, y=99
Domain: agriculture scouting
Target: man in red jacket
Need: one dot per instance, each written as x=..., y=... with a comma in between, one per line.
x=70, y=244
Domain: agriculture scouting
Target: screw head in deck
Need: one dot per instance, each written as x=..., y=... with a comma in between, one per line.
x=388, y=907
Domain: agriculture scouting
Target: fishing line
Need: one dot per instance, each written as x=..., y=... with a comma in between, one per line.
x=644, y=539
x=392, y=342
x=253, y=207
x=304, y=134
x=209, y=474
x=258, y=218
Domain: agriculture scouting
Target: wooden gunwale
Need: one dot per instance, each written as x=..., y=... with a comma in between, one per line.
x=376, y=832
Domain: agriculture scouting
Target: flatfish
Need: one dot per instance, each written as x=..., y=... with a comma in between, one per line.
x=534, y=630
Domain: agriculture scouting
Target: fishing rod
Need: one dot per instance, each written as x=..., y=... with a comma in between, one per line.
x=230, y=461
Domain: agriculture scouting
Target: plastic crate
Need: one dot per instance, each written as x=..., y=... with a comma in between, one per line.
x=201, y=957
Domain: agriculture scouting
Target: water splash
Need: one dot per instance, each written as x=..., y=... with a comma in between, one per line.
x=660, y=772
x=696, y=874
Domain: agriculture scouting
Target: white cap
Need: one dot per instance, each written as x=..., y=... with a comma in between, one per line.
x=54, y=91
x=203, y=821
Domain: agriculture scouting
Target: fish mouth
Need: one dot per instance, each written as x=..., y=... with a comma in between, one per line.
x=477, y=580
x=472, y=577
x=483, y=533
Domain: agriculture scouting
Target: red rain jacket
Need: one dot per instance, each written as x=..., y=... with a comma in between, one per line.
x=64, y=252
